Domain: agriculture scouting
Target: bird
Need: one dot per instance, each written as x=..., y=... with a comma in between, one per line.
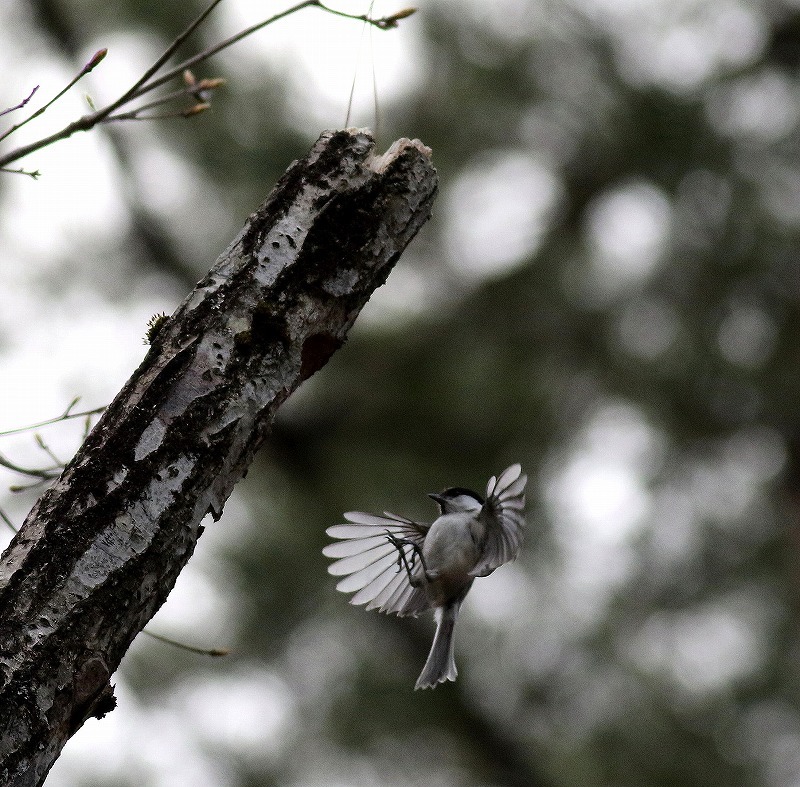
x=396, y=565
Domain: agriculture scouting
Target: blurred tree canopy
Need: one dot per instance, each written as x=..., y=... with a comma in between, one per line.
x=609, y=293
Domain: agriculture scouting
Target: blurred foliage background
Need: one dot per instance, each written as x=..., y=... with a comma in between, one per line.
x=608, y=292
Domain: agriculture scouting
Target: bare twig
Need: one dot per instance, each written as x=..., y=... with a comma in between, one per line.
x=35, y=174
x=148, y=81
x=196, y=109
x=166, y=55
x=96, y=58
x=21, y=103
x=65, y=416
x=43, y=473
x=46, y=448
x=204, y=87
x=215, y=652
x=7, y=519
x=213, y=50
x=383, y=23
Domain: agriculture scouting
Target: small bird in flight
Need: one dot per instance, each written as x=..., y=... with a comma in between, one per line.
x=394, y=564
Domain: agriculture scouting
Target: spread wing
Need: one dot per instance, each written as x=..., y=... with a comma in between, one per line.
x=369, y=562
x=503, y=514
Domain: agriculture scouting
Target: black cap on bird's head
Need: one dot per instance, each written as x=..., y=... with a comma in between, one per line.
x=457, y=498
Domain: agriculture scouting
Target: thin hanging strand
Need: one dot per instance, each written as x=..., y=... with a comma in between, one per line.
x=374, y=82
x=367, y=16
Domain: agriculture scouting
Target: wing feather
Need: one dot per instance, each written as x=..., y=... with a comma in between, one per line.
x=503, y=514
x=352, y=546
x=360, y=579
x=354, y=563
x=368, y=561
x=401, y=597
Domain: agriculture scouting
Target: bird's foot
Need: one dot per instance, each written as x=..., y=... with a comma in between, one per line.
x=403, y=561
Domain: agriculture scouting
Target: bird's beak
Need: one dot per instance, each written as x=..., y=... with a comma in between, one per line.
x=436, y=496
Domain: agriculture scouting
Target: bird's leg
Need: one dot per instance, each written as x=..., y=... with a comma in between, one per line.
x=402, y=559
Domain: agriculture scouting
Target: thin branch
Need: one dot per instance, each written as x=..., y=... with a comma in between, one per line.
x=143, y=84
x=215, y=652
x=96, y=58
x=205, y=86
x=213, y=50
x=383, y=23
x=135, y=114
x=66, y=415
x=35, y=174
x=147, y=82
x=44, y=473
x=135, y=90
x=21, y=103
x=182, y=93
x=46, y=448
x=7, y=519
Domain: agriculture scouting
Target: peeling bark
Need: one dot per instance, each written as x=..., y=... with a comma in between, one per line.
x=100, y=551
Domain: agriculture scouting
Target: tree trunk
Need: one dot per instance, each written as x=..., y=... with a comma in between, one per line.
x=101, y=549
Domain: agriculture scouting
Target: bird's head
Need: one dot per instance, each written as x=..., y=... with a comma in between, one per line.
x=456, y=499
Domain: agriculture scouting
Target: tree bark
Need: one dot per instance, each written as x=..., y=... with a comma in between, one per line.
x=101, y=549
